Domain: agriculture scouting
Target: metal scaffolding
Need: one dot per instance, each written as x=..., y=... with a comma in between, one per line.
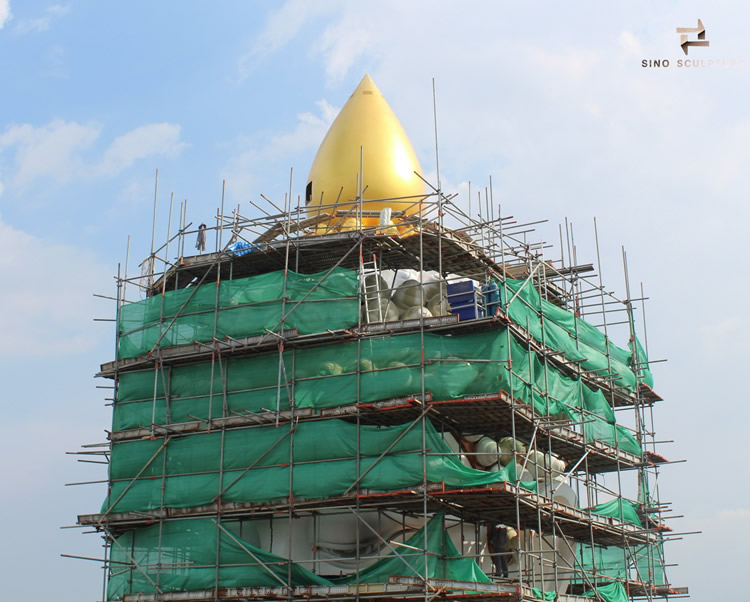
x=556, y=545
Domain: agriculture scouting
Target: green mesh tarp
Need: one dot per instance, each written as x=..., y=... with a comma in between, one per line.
x=644, y=563
x=443, y=560
x=186, y=551
x=247, y=306
x=327, y=376
x=639, y=360
x=560, y=330
x=256, y=464
x=649, y=564
x=602, y=561
x=620, y=509
x=612, y=592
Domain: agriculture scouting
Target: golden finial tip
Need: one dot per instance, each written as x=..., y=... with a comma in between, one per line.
x=365, y=128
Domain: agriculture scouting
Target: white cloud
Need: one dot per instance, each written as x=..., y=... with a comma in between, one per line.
x=242, y=171
x=718, y=333
x=60, y=151
x=58, y=10
x=50, y=314
x=631, y=44
x=35, y=25
x=281, y=26
x=309, y=132
x=734, y=515
x=55, y=60
x=4, y=12
x=342, y=44
x=573, y=65
x=145, y=141
x=42, y=22
x=51, y=151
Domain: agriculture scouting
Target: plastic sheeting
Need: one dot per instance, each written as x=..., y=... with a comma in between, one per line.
x=613, y=592
x=187, y=552
x=443, y=559
x=644, y=563
x=620, y=509
x=256, y=464
x=326, y=376
x=563, y=331
x=321, y=456
x=247, y=306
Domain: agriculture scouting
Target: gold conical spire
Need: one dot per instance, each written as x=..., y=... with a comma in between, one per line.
x=388, y=162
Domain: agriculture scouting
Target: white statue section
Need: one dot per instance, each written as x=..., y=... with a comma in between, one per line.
x=337, y=542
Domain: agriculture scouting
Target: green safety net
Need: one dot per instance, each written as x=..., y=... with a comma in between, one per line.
x=186, y=551
x=612, y=592
x=253, y=465
x=200, y=468
x=643, y=563
x=639, y=360
x=332, y=375
x=649, y=564
x=620, y=509
x=247, y=306
x=540, y=595
x=443, y=559
x=602, y=561
x=579, y=340
x=329, y=301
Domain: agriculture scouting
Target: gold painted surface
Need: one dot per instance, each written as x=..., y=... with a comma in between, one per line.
x=366, y=121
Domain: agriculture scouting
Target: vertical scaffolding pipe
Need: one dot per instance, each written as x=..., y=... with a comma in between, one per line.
x=153, y=226
x=548, y=477
x=517, y=500
x=439, y=187
x=106, y=566
x=162, y=514
x=570, y=264
x=362, y=292
x=612, y=393
x=166, y=249
x=219, y=511
x=125, y=282
x=635, y=360
x=214, y=345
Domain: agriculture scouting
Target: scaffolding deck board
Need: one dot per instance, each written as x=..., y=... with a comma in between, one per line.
x=493, y=414
x=492, y=503
x=451, y=324
x=489, y=414
x=398, y=587
x=314, y=253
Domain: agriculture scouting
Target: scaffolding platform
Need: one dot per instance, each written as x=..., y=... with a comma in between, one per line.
x=268, y=343
x=398, y=587
x=491, y=414
x=495, y=503
x=479, y=251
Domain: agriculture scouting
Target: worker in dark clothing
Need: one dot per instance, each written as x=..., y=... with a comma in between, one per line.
x=497, y=542
x=200, y=242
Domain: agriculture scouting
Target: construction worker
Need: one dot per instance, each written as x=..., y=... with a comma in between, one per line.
x=497, y=544
x=200, y=242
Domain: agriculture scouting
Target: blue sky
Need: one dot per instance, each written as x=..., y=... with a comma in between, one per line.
x=553, y=104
